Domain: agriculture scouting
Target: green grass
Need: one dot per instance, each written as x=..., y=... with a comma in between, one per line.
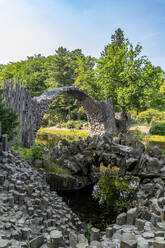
x=53, y=167
x=66, y=132
x=52, y=137
x=158, y=140
x=25, y=153
x=33, y=153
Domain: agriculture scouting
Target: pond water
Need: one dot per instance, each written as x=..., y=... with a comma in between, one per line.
x=87, y=208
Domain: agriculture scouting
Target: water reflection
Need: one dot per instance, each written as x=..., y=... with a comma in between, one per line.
x=87, y=208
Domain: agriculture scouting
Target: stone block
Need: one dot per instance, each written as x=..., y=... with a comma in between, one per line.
x=4, y=143
x=4, y=243
x=37, y=242
x=139, y=223
x=109, y=232
x=73, y=239
x=142, y=243
x=56, y=239
x=121, y=219
x=159, y=243
x=131, y=216
x=128, y=240
x=95, y=234
x=160, y=226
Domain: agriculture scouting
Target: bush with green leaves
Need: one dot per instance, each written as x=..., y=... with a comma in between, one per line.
x=8, y=119
x=115, y=193
x=158, y=128
x=34, y=152
x=150, y=115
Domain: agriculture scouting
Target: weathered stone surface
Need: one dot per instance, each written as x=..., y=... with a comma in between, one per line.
x=139, y=223
x=73, y=239
x=159, y=243
x=56, y=239
x=109, y=232
x=121, y=219
x=4, y=243
x=142, y=243
x=37, y=242
x=131, y=216
x=161, y=226
x=128, y=240
x=95, y=234
x=148, y=235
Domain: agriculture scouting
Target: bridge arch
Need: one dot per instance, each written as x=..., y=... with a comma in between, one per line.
x=100, y=115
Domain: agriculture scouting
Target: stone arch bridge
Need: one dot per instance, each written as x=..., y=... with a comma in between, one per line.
x=100, y=115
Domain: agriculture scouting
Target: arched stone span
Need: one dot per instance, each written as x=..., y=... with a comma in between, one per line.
x=100, y=115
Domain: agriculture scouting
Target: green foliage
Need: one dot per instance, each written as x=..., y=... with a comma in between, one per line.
x=8, y=118
x=52, y=137
x=37, y=152
x=86, y=78
x=158, y=128
x=54, y=167
x=34, y=152
x=150, y=115
x=75, y=124
x=28, y=243
x=120, y=74
x=114, y=192
x=131, y=81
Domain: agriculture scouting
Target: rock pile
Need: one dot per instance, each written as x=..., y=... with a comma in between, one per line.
x=82, y=158
x=33, y=216
x=29, y=213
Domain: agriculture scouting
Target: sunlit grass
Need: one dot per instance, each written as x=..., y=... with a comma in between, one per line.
x=51, y=137
x=157, y=138
x=53, y=167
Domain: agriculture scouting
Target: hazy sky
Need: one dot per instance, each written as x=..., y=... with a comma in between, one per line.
x=29, y=27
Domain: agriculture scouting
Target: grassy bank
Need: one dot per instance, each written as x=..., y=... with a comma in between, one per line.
x=48, y=136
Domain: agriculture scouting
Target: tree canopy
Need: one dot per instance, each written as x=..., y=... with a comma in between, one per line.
x=121, y=74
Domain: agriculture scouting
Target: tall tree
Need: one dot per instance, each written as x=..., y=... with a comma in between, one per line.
x=127, y=78
x=118, y=37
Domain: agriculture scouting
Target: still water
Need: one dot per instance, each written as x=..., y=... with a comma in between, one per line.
x=87, y=208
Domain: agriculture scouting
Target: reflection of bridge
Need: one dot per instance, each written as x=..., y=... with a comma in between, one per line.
x=31, y=110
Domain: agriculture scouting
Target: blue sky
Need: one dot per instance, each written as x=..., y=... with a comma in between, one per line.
x=30, y=27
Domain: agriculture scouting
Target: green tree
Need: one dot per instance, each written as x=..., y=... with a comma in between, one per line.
x=127, y=78
x=61, y=72
x=85, y=76
x=32, y=72
x=8, y=119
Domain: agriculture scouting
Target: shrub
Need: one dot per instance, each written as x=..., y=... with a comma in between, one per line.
x=150, y=115
x=158, y=128
x=70, y=124
x=35, y=152
x=115, y=192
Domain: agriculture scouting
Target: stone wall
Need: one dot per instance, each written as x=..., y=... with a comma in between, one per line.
x=3, y=142
x=100, y=115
